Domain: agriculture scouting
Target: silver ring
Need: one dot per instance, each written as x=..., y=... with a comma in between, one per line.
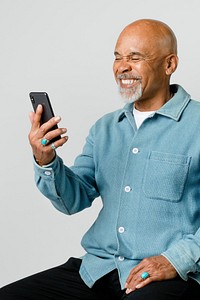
x=53, y=146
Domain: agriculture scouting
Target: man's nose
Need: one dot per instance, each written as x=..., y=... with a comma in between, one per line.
x=124, y=66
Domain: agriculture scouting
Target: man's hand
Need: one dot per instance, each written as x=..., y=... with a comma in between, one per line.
x=158, y=268
x=44, y=154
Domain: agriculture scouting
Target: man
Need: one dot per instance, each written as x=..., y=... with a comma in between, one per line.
x=143, y=160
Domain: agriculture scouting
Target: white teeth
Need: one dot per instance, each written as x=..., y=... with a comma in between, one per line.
x=128, y=81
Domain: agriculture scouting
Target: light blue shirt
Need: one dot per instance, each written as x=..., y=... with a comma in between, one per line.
x=149, y=183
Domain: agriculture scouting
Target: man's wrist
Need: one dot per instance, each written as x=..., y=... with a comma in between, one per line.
x=42, y=164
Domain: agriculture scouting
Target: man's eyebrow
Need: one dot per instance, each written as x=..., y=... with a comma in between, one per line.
x=135, y=53
x=130, y=54
x=116, y=53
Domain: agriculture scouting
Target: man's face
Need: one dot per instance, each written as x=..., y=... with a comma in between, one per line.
x=139, y=66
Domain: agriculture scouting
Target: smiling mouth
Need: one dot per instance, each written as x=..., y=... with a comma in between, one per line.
x=128, y=80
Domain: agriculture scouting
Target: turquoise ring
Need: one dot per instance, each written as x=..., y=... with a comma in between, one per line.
x=144, y=275
x=44, y=142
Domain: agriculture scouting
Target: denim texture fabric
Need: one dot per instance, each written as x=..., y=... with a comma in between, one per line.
x=149, y=183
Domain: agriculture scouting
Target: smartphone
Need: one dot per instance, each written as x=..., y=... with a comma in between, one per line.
x=43, y=99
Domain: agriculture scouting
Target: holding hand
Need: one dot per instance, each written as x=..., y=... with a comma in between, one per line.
x=40, y=137
x=155, y=268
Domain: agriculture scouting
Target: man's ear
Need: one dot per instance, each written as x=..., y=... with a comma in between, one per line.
x=171, y=64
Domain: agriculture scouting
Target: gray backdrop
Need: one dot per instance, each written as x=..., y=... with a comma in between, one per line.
x=65, y=47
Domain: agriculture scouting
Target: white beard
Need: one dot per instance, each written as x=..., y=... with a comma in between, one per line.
x=130, y=95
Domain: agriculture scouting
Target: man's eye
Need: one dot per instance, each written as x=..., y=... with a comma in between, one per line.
x=134, y=58
x=128, y=58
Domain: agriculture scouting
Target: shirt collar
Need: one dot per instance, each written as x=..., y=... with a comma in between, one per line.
x=171, y=109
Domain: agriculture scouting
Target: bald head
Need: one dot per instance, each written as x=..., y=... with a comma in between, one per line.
x=155, y=34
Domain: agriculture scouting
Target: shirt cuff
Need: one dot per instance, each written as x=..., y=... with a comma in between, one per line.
x=181, y=260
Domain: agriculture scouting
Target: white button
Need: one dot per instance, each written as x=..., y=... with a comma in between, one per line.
x=121, y=258
x=127, y=189
x=135, y=150
x=121, y=229
x=47, y=173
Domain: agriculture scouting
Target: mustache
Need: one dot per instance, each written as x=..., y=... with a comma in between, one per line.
x=128, y=76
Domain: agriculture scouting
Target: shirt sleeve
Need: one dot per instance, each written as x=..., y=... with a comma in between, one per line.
x=185, y=255
x=69, y=189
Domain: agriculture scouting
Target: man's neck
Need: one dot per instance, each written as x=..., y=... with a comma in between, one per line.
x=153, y=104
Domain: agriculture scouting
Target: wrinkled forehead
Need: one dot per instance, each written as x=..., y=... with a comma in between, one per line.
x=146, y=40
x=132, y=42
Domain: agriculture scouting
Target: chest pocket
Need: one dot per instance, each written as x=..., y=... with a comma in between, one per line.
x=165, y=176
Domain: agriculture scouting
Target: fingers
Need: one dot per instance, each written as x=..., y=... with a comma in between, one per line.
x=50, y=136
x=156, y=268
x=44, y=128
x=59, y=143
x=36, y=117
x=40, y=137
x=135, y=281
x=44, y=154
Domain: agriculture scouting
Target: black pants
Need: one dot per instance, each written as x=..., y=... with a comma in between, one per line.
x=64, y=282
